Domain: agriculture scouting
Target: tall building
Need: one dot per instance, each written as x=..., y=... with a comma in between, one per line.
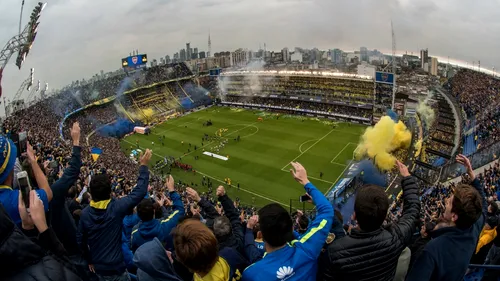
x=167, y=59
x=434, y=66
x=240, y=57
x=286, y=54
x=337, y=56
x=424, y=57
x=176, y=57
x=162, y=61
x=182, y=56
x=202, y=55
x=363, y=53
x=189, y=51
x=194, y=55
x=209, y=46
x=154, y=63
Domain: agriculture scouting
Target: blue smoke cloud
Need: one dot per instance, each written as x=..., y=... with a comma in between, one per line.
x=394, y=116
x=369, y=174
x=118, y=129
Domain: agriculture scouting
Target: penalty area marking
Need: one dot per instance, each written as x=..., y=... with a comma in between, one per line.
x=338, y=154
x=300, y=147
x=221, y=181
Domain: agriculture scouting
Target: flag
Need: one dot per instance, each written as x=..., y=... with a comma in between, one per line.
x=95, y=152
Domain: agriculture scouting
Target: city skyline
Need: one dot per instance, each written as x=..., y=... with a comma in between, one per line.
x=64, y=51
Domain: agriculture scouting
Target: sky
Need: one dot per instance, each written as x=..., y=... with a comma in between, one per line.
x=77, y=38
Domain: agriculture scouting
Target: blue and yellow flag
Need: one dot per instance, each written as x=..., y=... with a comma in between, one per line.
x=95, y=152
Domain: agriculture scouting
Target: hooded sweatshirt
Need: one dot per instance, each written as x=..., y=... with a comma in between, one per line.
x=146, y=231
x=153, y=264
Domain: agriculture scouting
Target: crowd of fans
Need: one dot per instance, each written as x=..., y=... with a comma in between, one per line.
x=301, y=104
x=117, y=221
x=479, y=96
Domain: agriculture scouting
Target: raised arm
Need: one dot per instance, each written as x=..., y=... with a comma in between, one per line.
x=411, y=205
x=126, y=203
x=40, y=177
x=251, y=252
x=205, y=205
x=313, y=240
x=232, y=214
x=61, y=186
x=168, y=223
x=475, y=181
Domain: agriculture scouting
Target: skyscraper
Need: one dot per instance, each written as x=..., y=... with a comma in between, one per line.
x=167, y=59
x=286, y=54
x=434, y=66
x=188, y=51
x=202, y=55
x=209, y=46
x=182, y=55
x=337, y=56
x=424, y=57
x=363, y=52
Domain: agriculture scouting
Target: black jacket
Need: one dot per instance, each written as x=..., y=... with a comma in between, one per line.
x=372, y=255
x=447, y=255
x=22, y=259
x=62, y=220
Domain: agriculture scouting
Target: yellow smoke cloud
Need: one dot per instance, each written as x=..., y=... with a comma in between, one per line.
x=426, y=113
x=418, y=148
x=148, y=112
x=380, y=140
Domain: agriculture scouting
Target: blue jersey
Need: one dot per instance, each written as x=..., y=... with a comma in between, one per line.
x=297, y=260
x=260, y=246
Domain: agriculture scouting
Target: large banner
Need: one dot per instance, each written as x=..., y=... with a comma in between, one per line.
x=384, y=77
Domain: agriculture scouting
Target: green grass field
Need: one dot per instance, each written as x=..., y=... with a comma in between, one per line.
x=259, y=162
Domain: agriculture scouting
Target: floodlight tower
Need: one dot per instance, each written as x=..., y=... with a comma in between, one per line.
x=393, y=65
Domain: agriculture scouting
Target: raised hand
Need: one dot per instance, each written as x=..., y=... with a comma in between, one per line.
x=146, y=157
x=75, y=134
x=403, y=170
x=462, y=159
x=193, y=194
x=27, y=223
x=299, y=173
x=30, y=153
x=252, y=221
x=37, y=212
x=170, y=183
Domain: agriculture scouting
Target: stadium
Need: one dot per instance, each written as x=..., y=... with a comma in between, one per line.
x=381, y=169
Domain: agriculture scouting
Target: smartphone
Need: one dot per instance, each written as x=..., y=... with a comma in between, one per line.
x=24, y=187
x=304, y=198
x=23, y=142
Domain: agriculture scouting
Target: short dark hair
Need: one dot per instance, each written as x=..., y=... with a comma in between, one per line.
x=100, y=187
x=303, y=223
x=195, y=246
x=466, y=205
x=145, y=210
x=371, y=206
x=276, y=225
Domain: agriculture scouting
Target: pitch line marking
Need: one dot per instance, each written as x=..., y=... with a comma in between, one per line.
x=322, y=180
x=216, y=179
x=338, y=154
x=307, y=149
x=300, y=147
x=340, y=175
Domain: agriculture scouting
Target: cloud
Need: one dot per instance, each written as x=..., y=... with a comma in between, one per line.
x=78, y=38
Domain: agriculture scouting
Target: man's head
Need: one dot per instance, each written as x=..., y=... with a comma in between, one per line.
x=426, y=229
x=195, y=246
x=222, y=227
x=145, y=210
x=8, y=154
x=276, y=225
x=257, y=234
x=370, y=207
x=303, y=223
x=463, y=207
x=100, y=187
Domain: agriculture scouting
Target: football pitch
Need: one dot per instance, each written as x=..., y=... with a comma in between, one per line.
x=259, y=161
